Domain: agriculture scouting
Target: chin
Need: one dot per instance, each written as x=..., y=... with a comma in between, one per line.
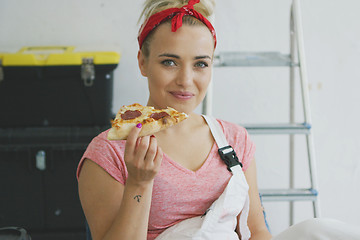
x=186, y=108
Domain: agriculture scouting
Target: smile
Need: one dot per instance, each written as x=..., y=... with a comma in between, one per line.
x=182, y=95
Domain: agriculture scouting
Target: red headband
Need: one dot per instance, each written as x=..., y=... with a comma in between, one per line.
x=177, y=15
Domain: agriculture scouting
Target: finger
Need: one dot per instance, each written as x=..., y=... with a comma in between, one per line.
x=152, y=150
x=142, y=148
x=158, y=158
x=138, y=140
x=131, y=141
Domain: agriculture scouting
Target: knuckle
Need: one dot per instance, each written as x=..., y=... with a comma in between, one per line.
x=144, y=143
x=152, y=171
x=137, y=165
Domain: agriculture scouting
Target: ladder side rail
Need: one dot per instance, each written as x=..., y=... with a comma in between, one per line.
x=305, y=98
x=293, y=58
x=312, y=170
x=301, y=56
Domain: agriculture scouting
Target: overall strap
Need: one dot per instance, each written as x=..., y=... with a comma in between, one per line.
x=226, y=152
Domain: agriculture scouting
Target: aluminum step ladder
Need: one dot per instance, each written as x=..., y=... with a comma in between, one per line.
x=296, y=59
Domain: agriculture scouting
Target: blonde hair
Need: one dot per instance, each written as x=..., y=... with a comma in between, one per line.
x=205, y=7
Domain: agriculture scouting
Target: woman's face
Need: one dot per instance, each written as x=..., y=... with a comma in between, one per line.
x=178, y=67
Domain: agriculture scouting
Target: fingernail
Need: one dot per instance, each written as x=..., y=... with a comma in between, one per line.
x=139, y=125
x=152, y=136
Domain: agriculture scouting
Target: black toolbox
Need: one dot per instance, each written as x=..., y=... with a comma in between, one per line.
x=56, y=86
x=38, y=186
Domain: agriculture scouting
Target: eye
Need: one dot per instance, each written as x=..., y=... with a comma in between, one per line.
x=168, y=62
x=201, y=64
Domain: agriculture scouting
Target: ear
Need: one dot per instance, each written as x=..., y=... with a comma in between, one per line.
x=142, y=63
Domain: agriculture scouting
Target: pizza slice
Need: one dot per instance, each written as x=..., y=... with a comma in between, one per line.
x=152, y=120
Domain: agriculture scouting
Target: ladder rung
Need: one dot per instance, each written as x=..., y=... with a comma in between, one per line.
x=253, y=59
x=286, y=128
x=288, y=194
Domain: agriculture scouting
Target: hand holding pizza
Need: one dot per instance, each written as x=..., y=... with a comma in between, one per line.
x=136, y=124
x=142, y=157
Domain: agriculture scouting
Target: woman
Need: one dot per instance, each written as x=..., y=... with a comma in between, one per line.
x=178, y=66
x=138, y=188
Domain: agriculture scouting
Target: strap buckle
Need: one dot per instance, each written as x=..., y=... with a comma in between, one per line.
x=228, y=155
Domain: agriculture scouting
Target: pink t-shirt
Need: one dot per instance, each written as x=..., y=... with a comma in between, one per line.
x=178, y=192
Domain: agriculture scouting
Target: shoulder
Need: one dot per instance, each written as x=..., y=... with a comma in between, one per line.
x=103, y=135
x=107, y=154
x=102, y=139
x=232, y=130
x=239, y=139
x=103, y=146
x=102, y=150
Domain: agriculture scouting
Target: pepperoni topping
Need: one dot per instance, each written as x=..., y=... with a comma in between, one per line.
x=159, y=115
x=129, y=114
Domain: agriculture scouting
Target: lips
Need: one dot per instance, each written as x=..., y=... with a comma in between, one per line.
x=182, y=94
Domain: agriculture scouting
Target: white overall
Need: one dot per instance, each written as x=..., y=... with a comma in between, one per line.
x=220, y=220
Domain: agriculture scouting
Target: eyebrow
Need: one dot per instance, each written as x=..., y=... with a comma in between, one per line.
x=178, y=57
x=202, y=57
x=169, y=55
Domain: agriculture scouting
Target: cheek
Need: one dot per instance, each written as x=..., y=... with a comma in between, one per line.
x=204, y=81
x=157, y=81
x=159, y=77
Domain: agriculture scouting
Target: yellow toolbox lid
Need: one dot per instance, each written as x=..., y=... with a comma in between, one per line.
x=55, y=56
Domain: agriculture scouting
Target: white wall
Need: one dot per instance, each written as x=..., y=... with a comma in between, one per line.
x=332, y=45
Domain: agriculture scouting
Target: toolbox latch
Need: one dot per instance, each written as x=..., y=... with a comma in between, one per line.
x=1, y=72
x=41, y=160
x=88, y=71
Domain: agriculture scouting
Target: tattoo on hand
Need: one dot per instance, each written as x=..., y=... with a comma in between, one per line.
x=137, y=197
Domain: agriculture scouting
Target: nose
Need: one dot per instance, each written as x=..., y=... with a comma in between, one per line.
x=185, y=76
